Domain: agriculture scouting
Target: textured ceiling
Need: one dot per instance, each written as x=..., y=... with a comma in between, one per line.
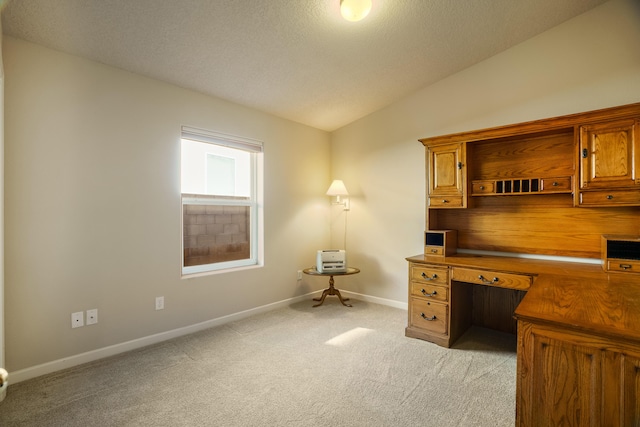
x=297, y=59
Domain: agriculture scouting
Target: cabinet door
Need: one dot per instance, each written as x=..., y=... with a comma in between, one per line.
x=620, y=389
x=566, y=384
x=609, y=156
x=567, y=378
x=447, y=173
x=631, y=390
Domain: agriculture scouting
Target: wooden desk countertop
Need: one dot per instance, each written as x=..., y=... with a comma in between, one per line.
x=581, y=297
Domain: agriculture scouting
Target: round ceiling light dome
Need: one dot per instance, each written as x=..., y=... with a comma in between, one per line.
x=355, y=10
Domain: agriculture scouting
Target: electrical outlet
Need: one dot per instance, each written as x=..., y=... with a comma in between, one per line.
x=299, y=274
x=159, y=303
x=92, y=316
x=77, y=319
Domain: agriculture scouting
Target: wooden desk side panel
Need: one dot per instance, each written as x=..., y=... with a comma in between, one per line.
x=461, y=309
x=568, y=232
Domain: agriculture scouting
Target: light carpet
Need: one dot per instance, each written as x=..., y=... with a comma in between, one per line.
x=296, y=366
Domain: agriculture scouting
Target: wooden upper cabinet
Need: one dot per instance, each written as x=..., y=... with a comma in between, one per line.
x=589, y=159
x=447, y=176
x=609, y=155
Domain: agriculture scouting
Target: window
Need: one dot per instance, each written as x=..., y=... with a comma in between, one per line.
x=221, y=175
x=221, y=182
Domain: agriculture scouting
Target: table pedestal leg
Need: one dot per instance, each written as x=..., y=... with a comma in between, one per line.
x=331, y=291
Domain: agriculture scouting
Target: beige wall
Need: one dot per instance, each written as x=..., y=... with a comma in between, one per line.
x=590, y=62
x=93, y=206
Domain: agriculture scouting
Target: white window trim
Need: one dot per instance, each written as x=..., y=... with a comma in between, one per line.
x=256, y=256
x=218, y=138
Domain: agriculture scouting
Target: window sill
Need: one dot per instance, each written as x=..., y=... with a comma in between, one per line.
x=221, y=271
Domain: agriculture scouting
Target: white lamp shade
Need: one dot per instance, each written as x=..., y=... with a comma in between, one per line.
x=337, y=188
x=354, y=10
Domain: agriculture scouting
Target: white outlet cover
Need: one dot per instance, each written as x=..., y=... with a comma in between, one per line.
x=92, y=316
x=77, y=319
x=159, y=303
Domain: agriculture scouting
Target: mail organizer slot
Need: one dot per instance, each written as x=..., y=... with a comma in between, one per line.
x=621, y=253
x=440, y=242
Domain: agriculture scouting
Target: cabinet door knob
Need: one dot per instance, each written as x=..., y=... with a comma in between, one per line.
x=482, y=187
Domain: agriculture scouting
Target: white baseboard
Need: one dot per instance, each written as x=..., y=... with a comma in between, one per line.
x=101, y=353
x=376, y=300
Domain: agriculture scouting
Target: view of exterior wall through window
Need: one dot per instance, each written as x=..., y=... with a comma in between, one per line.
x=220, y=182
x=214, y=234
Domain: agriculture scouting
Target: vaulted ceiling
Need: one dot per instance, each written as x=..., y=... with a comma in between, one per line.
x=296, y=59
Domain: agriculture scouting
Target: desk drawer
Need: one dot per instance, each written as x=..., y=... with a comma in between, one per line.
x=556, y=185
x=429, y=291
x=430, y=316
x=483, y=187
x=434, y=250
x=610, y=198
x=491, y=278
x=446, y=202
x=427, y=274
x=628, y=266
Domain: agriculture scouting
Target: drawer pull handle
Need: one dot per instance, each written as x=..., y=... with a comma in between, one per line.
x=445, y=201
x=486, y=281
x=434, y=293
x=482, y=187
x=625, y=266
x=434, y=277
x=609, y=197
x=434, y=251
x=555, y=184
x=430, y=319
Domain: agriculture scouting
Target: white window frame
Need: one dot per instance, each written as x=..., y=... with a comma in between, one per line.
x=255, y=202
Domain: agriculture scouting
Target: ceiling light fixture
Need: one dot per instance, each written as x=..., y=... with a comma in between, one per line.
x=355, y=10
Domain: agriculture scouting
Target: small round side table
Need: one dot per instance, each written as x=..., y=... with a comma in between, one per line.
x=331, y=290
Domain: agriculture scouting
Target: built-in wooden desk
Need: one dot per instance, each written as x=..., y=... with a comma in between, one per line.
x=443, y=301
x=578, y=330
x=563, y=186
